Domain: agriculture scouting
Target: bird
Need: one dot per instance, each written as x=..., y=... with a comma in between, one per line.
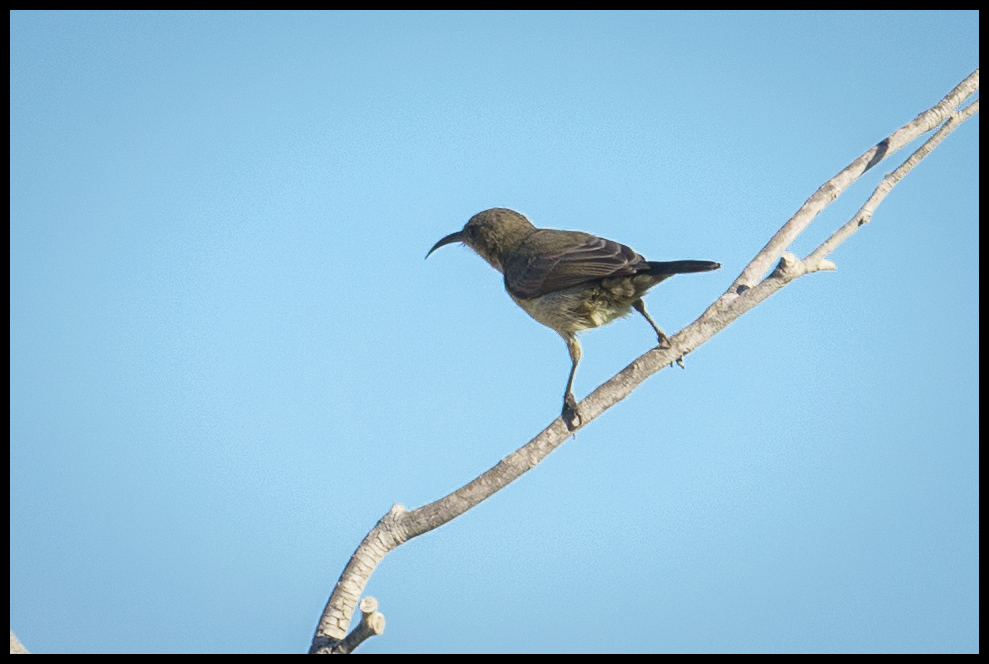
x=569, y=281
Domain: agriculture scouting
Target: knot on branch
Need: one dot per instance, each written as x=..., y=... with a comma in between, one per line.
x=790, y=267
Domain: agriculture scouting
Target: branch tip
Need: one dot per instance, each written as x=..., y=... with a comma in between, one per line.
x=368, y=605
x=372, y=623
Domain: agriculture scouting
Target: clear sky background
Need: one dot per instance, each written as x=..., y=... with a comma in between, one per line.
x=228, y=357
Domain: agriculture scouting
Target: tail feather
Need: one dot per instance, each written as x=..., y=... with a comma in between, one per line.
x=658, y=268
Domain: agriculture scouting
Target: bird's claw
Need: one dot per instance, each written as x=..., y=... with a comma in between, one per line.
x=665, y=344
x=569, y=415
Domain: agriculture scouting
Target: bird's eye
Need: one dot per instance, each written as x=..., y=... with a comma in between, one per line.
x=472, y=231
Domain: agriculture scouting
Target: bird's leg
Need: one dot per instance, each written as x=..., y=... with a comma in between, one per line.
x=664, y=341
x=569, y=414
x=640, y=306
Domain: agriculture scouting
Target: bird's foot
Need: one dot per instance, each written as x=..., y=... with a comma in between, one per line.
x=666, y=344
x=569, y=415
x=664, y=341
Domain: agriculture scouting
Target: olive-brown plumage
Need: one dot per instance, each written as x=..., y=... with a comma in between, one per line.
x=567, y=280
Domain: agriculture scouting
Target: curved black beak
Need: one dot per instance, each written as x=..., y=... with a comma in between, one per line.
x=449, y=239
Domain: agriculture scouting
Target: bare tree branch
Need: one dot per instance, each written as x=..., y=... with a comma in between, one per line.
x=16, y=647
x=830, y=190
x=747, y=291
x=864, y=215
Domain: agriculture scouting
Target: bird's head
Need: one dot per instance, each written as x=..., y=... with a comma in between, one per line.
x=490, y=233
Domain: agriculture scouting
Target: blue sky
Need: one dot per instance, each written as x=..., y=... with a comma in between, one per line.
x=228, y=357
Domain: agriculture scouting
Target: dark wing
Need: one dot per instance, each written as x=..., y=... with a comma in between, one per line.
x=551, y=260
